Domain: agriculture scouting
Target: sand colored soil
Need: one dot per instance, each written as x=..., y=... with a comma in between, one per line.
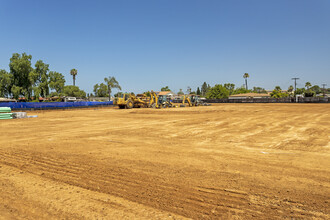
x=238, y=161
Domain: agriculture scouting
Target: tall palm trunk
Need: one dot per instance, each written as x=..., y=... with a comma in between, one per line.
x=109, y=93
x=246, y=86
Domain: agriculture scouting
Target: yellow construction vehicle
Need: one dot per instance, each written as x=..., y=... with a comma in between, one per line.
x=129, y=101
x=140, y=101
x=185, y=100
x=125, y=100
x=195, y=100
x=165, y=101
x=154, y=102
x=160, y=101
x=191, y=100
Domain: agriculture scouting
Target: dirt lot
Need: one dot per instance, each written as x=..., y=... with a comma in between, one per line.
x=237, y=161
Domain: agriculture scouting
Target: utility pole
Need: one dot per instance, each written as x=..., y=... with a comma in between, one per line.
x=295, y=87
x=324, y=89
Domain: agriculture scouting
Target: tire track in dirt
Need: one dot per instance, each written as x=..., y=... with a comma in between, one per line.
x=194, y=202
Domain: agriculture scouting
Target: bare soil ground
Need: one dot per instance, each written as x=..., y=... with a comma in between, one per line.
x=237, y=161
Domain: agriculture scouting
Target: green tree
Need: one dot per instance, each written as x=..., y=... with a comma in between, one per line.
x=230, y=87
x=112, y=83
x=180, y=92
x=300, y=91
x=240, y=90
x=165, y=89
x=20, y=68
x=217, y=92
x=101, y=90
x=290, y=90
x=56, y=82
x=16, y=91
x=245, y=76
x=198, y=92
x=40, y=78
x=259, y=90
x=204, y=89
x=119, y=94
x=277, y=93
x=309, y=92
x=95, y=89
x=188, y=90
x=74, y=91
x=74, y=72
x=316, y=89
x=5, y=83
x=308, y=85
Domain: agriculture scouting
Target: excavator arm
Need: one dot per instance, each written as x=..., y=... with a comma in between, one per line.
x=186, y=98
x=154, y=100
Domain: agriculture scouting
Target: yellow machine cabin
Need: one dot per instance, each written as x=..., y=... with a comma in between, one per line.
x=124, y=101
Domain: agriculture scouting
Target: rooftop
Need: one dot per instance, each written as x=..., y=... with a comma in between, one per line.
x=164, y=92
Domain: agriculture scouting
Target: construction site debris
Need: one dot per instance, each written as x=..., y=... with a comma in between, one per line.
x=19, y=115
x=5, y=113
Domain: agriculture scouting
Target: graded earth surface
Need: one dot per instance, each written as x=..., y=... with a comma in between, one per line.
x=226, y=161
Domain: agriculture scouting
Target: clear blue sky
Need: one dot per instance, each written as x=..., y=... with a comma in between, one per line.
x=147, y=44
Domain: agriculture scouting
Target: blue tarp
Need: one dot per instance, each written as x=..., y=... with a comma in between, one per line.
x=42, y=105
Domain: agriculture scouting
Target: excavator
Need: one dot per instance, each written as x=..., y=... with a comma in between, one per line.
x=128, y=101
x=161, y=101
x=195, y=100
x=192, y=100
x=185, y=100
x=165, y=101
x=154, y=100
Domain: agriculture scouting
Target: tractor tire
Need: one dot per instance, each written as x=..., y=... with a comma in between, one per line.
x=122, y=106
x=129, y=104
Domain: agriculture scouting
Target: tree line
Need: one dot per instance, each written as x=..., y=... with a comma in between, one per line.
x=222, y=91
x=32, y=82
x=24, y=80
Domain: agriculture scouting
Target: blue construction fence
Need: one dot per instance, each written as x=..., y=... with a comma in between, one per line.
x=53, y=105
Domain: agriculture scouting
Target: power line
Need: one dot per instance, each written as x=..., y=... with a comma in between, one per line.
x=295, y=83
x=295, y=87
x=324, y=89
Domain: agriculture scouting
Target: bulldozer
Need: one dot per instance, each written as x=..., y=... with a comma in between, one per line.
x=125, y=100
x=129, y=101
x=140, y=101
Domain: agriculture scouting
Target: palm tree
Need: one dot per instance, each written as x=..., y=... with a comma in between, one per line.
x=308, y=84
x=245, y=76
x=290, y=90
x=74, y=72
x=111, y=83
